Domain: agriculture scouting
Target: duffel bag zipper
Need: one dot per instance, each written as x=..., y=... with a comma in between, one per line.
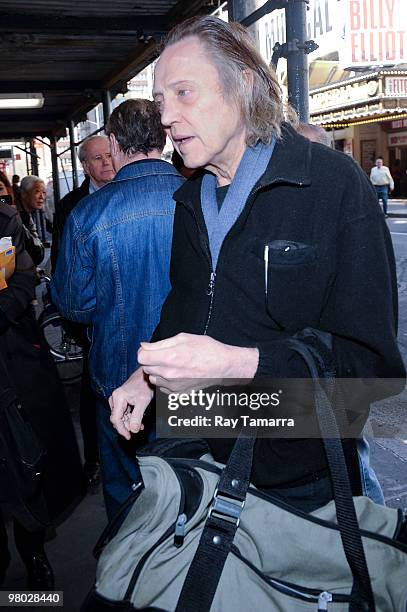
x=198, y=463
x=111, y=530
x=143, y=560
x=322, y=598
x=171, y=530
x=179, y=534
x=179, y=528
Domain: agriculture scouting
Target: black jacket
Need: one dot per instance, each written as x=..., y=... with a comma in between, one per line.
x=338, y=276
x=62, y=210
x=21, y=285
x=32, y=241
x=30, y=370
x=34, y=377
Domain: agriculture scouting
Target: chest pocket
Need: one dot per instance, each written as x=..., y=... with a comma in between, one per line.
x=290, y=283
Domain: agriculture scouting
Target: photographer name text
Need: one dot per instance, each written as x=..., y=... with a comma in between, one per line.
x=221, y=421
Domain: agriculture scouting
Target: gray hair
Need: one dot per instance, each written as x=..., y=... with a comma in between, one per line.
x=235, y=55
x=82, y=147
x=28, y=182
x=316, y=133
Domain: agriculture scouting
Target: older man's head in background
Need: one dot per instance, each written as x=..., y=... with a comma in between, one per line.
x=315, y=133
x=94, y=155
x=33, y=193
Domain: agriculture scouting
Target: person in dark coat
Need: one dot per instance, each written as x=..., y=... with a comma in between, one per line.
x=7, y=186
x=94, y=155
x=267, y=246
x=32, y=374
x=15, y=184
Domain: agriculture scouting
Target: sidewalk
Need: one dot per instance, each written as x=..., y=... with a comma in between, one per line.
x=70, y=550
x=397, y=208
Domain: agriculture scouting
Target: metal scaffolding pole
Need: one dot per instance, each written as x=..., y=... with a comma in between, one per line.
x=297, y=63
x=294, y=49
x=26, y=156
x=107, y=105
x=239, y=9
x=71, y=127
x=55, y=174
x=34, y=159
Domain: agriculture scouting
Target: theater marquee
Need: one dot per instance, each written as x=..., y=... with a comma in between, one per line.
x=343, y=95
x=378, y=96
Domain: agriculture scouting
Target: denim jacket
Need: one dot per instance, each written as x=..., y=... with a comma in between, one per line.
x=113, y=266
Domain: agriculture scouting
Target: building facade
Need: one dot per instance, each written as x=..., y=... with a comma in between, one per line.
x=367, y=115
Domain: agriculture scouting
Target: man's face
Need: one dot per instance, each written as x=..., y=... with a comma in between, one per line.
x=379, y=163
x=97, y=163
x=203, y=125
x=35, y=198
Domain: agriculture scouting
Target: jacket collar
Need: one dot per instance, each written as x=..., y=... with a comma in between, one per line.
x=84, y=186
x=290, y=163
x=145, y=167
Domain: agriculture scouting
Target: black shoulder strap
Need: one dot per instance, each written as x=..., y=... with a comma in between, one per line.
x=362, y=593
x=217, y=537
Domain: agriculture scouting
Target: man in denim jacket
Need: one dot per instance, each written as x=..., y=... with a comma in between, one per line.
x=113, y=271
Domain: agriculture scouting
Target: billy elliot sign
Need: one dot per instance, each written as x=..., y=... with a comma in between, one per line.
x=375, y=33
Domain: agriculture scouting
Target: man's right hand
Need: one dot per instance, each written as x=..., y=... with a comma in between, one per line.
x=129, y=402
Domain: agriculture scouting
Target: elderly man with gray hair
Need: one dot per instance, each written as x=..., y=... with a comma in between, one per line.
x=31, y=199
x=33, y=193
x=268, y=247
x=94, y=155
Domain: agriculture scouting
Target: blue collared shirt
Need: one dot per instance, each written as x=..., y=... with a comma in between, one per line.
x=92, y=187
x=113, y=266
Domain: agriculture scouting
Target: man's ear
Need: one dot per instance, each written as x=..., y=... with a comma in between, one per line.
x=114, y=145
x=85, y=167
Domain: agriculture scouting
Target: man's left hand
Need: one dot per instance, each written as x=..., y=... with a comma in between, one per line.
x=188, y=361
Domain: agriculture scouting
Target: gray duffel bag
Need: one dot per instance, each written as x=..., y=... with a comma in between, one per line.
x=200, y=538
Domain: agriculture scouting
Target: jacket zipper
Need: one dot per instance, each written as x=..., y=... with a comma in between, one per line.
x=211, y=284
x=210, y=292
x=212, y=277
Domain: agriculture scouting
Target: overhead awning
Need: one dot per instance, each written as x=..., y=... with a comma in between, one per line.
x=325, y=72
x=71, y=51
